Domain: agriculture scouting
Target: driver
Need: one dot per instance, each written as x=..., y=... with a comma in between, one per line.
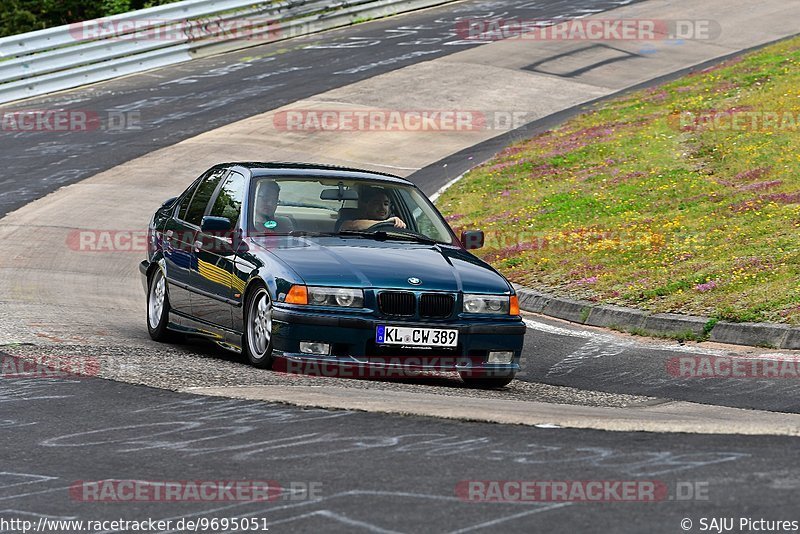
x=373, y=208
x=264, y=218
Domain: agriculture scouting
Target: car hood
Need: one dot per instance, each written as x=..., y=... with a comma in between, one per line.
x=346, y=262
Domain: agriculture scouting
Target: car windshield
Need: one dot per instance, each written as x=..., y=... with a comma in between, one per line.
x=333, y=206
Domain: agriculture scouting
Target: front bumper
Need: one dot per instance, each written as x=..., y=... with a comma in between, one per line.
x=352, y=341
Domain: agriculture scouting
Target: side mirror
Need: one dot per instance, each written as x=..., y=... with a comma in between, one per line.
x=215, y=224
x=169, y=202
x=472, y=239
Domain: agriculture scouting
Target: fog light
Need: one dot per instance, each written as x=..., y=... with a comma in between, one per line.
x=500, y=357
x=309, y=347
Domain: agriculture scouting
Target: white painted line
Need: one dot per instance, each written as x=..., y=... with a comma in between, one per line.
x=600, y=345
x=434, y=197
x=372, y=164
x=557, y=330
x=34, y=514
x=612, y=340
x=32, y=479
x=510, y=517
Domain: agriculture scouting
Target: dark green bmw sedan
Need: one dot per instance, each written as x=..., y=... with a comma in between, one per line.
x=309, y=264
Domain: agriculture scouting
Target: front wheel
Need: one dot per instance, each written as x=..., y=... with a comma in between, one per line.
x=158, y=307
x=258, y=329
x=484, y=382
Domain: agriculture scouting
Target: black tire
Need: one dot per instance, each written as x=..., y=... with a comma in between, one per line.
x=158, y=312
x=257, y=339
x=484, y=382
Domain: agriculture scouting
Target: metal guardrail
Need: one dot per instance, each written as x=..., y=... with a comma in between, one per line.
x=54, y=59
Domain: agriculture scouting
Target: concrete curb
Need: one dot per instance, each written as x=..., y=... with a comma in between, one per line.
x=664, y=417
x=659, y=324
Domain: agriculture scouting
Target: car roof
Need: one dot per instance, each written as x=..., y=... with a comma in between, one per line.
x=314, y=169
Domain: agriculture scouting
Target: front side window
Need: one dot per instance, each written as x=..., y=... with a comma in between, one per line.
x=228, y=203
x=187, y=198
x=197, y=207
x=426, y=218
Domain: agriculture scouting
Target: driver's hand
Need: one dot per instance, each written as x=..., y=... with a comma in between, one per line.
x=398, y=222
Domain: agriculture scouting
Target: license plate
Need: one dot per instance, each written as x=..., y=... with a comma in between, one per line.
x=416, y=337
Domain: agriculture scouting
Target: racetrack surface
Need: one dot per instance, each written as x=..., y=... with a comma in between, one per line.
x=368, y=472
x=60, y=294
x=561, y=354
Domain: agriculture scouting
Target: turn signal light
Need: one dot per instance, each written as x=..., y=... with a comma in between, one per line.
x=514, y=308
x=297, y=295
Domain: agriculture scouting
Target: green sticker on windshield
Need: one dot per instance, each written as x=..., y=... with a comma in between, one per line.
x=270, y=224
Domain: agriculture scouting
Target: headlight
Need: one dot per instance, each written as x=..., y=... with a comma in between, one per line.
x=491, y=304
x=336, y=296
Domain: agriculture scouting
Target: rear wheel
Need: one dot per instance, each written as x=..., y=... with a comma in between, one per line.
x=158, y=307
x=486, y=382
x=257, y=340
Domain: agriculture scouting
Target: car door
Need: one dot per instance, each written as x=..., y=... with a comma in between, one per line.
x=179, y=236
x=212, y=274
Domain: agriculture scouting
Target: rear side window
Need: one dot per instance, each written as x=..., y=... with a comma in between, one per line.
x=197, y=208
x=229, y=200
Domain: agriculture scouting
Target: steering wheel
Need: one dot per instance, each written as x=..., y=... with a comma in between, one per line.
x=385, y=226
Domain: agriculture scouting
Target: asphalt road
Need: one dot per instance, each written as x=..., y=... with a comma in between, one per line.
x=181, y=101
x=560, y=354
x=366, y=472
x=142, y=113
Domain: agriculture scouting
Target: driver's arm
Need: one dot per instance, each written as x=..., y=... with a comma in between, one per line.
x=363, y=224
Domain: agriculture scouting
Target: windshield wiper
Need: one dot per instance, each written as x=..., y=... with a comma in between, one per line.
x=295, y=233
x=269, y=234
x=383, y=235
x=309, y=233
x=356, y=233
x=419, y=238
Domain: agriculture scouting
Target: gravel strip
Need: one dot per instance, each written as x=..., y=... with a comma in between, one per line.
x=203, y=365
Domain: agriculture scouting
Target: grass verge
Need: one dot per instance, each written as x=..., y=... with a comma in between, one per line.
x=681, y=198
